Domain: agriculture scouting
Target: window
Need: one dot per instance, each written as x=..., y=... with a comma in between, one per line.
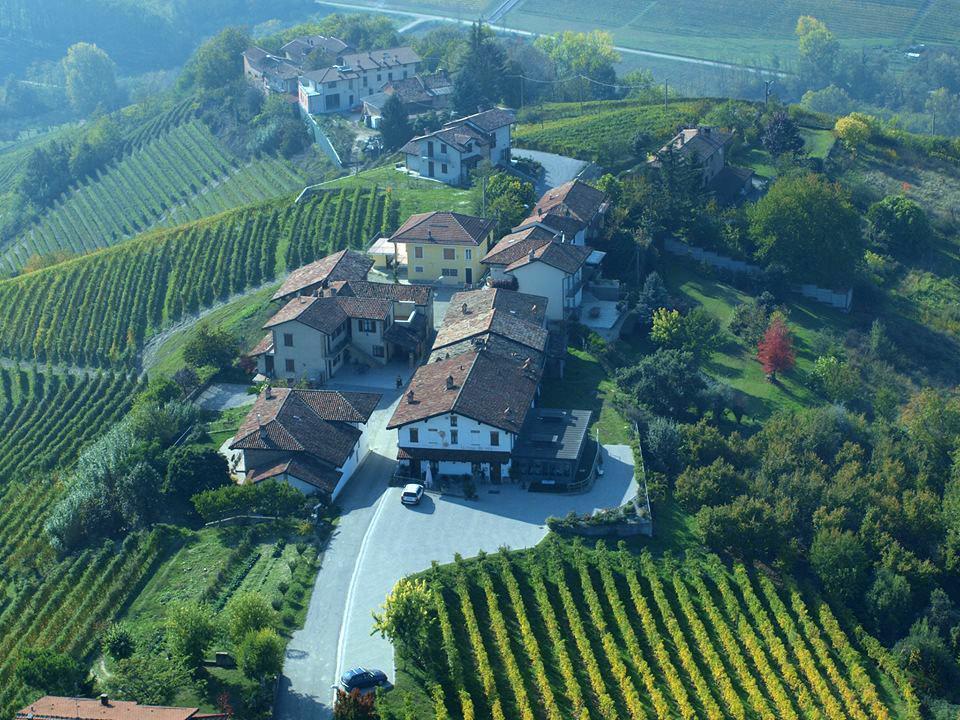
x=365, y=80
x=414, y=435
x=443, y=168
x=379, y=76
x=288, y=339
x=449, y=254
x=453, y=421
x=404, y=73
x=454, y=437
x=443, y=148
x=449, y=272
x=378, y=351
x=367, y=326
x=468, y=254
x=389, y=76
x=495, y=438
x=418, y=269
x=332, y=84
x=418, y=252
x=290, y=365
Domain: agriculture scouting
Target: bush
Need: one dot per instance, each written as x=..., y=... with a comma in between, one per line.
x=260, y=655
x=118, y=642
x=664, y=445
x=248, y=612
x=713, y=484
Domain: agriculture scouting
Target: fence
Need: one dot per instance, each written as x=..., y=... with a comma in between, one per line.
x=322, y=140
x=842, y=300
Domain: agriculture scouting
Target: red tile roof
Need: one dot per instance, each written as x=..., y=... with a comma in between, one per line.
x=566, y=257
x=263, y=347
x=568, y=208
x=419, y=294
x=443, y=228
x=321, y=313
x=322, y=477
x=517, y=244
x=532, y=308
x=67, y=708
x=343, y=265
x=495, y=322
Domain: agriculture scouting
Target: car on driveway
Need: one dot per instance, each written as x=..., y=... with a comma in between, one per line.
x=412, y=494
x=363, y=680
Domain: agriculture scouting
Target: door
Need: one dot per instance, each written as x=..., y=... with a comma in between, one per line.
x=415, y=469
x=268, y=365
x=468, y=276
x=495, y=473
x=430, y=169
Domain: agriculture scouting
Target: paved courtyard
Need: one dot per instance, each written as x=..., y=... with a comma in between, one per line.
x=224, y=396
x=379, y=541
x=557, y=169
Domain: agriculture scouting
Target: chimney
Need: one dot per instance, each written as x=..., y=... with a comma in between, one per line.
x=463, y=308
x=105, y=700
x=533, y=255
x=450, y=384
x=410, y=397
x=563, y=238
x=259, y=420
x=539, y=212
x=429, y=234
x=268, y=392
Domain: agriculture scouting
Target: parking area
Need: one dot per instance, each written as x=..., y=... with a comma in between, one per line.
x=557, y=169
x=379, y=541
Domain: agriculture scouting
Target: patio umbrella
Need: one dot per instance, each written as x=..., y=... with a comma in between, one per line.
x=428, y=483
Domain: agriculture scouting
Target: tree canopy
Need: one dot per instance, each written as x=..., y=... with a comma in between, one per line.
x=91, y=78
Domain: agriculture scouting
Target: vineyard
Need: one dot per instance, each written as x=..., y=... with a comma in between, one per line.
x=180, y=174
x=99, y=309
x=565, y=632
x=46, y=418
x=606, y=131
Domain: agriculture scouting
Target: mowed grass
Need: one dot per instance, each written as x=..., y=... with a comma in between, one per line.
x=414, y=194
x=586, y=386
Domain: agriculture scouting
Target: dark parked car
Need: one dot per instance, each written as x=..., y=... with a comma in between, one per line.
x=362, y=679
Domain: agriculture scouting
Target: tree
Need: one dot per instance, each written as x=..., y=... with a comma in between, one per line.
x=91, y=78
x=943, y=107
x=808, y=225
x=211, y=346
x=218, y=62
x=666, y=381
x=899, y=225
x=653, y=295
x=852, y=131
x=46, y=175
x=831, y=100
x=148, y=679
x=406, y=619
x=394, y=123
x=664, y=445
x=890, y=602
x=841, y=563
x=249, y=612
x=578, y=56
x=667, y=327
x=191, y=628
x=712, y=484
x=355, y=706
x=506, y=198
x=819, y=52
x=193, y=469
x=363, y=31
x=118, y=642
x=775, y=350
x=837, y=379
x=781, y=135
x=480, y=72
x=748, y=527
x=260, y=654
x=53, y=673
x=700, y=333
x=928, y=661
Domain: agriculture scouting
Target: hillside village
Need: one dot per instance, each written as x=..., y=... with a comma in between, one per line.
x=395, y=366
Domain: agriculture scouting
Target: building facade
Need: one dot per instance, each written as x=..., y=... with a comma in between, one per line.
x=445, y=247
x=356, y=76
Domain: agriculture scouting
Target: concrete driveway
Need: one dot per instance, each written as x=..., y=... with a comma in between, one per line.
x=557, y=169
x=223, y=396
x=380, y=541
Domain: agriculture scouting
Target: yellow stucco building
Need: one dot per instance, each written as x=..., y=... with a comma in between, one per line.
x=445, y=247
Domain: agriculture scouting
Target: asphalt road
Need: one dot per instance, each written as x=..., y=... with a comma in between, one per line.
x=379, y=541
x=557, y=169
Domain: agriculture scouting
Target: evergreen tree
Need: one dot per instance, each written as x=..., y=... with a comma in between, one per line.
x=479, y=80
x=395, y=124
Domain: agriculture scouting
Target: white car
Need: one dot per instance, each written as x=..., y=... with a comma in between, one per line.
x=412, y=494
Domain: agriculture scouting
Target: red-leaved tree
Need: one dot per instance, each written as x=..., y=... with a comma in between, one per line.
x=775, y=350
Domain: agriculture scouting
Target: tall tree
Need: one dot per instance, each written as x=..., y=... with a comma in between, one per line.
x=775, y=350
x=395, y=124
x=219, y=61
x=819, y=52
x=781, y=135
x=480, y=75
x=587, y=59
x=91, y=78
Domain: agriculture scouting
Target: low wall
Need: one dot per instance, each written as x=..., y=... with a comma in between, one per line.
x=841, y=300
x=618, y=530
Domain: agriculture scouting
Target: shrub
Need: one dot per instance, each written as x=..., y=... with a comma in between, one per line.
x=118, y=642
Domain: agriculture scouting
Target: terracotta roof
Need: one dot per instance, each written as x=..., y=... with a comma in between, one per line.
x=532, y=308
x=493, y=321
x=457, y=137
x=700, y=141
x=488, y=120
x=320, y=313
x=443, y=228
x=568, y=208
x=418, y=294
x=61, y=708
x=367, y=308
x=322, y=477
x=421, y=89
x=478, y=385
x=306, y=421
x=298, y=48
x=517, y=244
x=263, y=347
x=268, y=64
x=566, y=257
x=516, y=352
x=343, y=265
x=383, y=59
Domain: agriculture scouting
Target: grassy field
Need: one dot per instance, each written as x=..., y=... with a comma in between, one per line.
x=563, y=631
x=413, y=194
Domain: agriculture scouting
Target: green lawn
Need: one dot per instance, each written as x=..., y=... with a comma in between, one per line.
x=585, y=386
x=414, y=194
x=243, y=317
x=224, y=425
x=817, y=143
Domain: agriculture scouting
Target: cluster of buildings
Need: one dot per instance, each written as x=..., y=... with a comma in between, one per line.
x=52, y=707
x=326, y=75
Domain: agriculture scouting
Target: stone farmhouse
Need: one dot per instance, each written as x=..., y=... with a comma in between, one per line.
x=454, y=151
x=313, y=440
x=332, y=316
x=355, y=76
x=707, y=148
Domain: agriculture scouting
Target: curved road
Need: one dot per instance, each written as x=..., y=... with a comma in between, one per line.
x=419, y=18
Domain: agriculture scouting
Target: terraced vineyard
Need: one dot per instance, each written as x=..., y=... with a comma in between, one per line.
x=99, y=309
x=182, y=174
x=566, y=632
x=46, y=418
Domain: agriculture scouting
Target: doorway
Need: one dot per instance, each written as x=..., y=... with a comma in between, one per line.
x=468, y=276
x=495, y=476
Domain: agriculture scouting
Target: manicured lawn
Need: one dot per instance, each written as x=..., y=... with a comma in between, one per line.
x=585, y=386
x=817, y=143
x=224, y=425
x=735, y=364
x=243, y=317
x=414, y=194
x=760, y=161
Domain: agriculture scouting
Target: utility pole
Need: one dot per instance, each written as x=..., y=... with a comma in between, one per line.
x=766, y=90
x=665, y=83
x=521, y=91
